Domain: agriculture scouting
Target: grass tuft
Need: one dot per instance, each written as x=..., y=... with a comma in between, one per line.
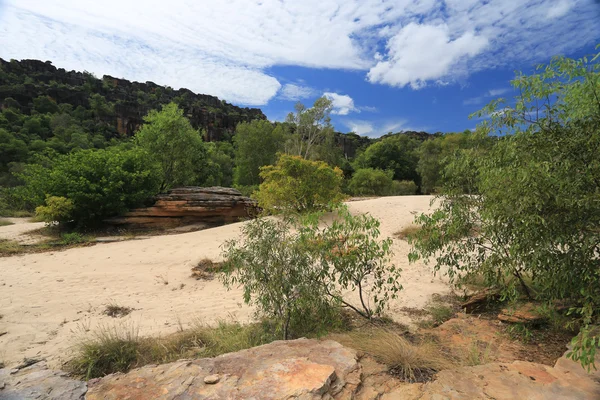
x=413, y=362
x=117, y=311
x=5, y=222
x=407, y=232
x=120, y=348
x=206, y=269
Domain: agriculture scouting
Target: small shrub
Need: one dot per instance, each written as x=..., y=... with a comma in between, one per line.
x=403, y=188
x=298, y=185
x=57, y=209
x=369, y=181
x=440, y=313
x=9, y=247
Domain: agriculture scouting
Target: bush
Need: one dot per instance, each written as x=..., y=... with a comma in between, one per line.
x=403, y=188
x=99, y=183
x=298, y=185
x=295, y=272
x=370, y=181
x=57, y=209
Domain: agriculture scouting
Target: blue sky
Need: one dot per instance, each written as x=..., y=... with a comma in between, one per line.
x=387, y=65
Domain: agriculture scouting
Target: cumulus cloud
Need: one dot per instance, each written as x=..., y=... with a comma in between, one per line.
x=342, y=103
x=379, y=128
x=421, y=53
x=227, y=48
x=296, y=92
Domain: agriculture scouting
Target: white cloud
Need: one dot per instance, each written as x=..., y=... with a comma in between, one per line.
x=379, y=128
x=422, y=53
x=342, y=103
x=486, y=96
x=226, y=48
x=295, y=92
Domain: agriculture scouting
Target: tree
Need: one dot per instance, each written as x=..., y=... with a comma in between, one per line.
x=97, y=184
x=174, y=145
x=536, y=217
x=369, y=181
x=256, y=144
x=310, y=126
x=396, y=153
x=219, y=164
x=297, y=185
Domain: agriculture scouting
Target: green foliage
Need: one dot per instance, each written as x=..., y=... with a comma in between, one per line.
x=352, y=257
x=295, y=271
x=537, y=215
x=277, y=272
x=310, y=127
x=395, y=153
x=72, y=238
x=169, y=139
x=403, y=188
x=57, y=209
x=298, y=185
x=256, y=145
x=219, y=164
x=369, y=181
x=99, y=183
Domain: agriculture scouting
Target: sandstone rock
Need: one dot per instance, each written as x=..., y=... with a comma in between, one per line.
x=38, y=382
x=212, y=379
x=191, y=205
x=302, y=369
x=526, y=313
x=478, y=300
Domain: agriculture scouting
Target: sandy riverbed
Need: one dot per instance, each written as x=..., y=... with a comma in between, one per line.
x=48, y=300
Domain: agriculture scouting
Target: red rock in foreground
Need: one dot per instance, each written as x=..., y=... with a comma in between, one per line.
x=191, y=205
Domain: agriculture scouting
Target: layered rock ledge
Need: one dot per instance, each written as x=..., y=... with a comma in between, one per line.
x=210, y=206
x=305, y=369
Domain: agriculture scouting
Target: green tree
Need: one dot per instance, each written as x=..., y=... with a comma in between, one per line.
x=177, y=148
x=310, y=127
x=536, y=217
x=297, y=185
x=396, y=153
x=99, y=183
x=219, y=165
x=256, y=144
x=369, y=181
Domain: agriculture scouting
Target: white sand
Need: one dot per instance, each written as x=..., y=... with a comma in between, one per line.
x=49, y=300
x=19, y=231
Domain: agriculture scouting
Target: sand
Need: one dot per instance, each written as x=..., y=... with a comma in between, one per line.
x=19, y=231
x=49, y=301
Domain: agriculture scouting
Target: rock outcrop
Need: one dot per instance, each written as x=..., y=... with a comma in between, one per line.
x=210, y=206
x=309, y=370
x=38, y=382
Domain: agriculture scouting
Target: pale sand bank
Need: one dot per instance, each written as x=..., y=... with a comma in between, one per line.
x=47, y=300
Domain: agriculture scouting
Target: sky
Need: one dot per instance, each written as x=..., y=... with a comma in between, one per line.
x=386, y=65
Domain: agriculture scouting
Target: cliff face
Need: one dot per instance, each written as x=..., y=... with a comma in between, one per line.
x=128, y=101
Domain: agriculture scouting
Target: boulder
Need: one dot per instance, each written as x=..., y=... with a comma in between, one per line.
x=211, y=206
x=525, y=313
x=38, y=382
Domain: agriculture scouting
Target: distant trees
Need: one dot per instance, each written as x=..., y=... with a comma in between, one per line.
x=310, y=126
x=256, y=144
x=169, y=139
x=371, y=182
x=395, y=153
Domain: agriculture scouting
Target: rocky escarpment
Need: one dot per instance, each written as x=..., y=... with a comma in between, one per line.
x=25, y=80
x=306, y=369
x=210, y=206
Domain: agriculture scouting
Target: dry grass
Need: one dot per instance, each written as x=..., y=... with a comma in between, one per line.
x=407, y=232
x=5, y=222
x=117, y=311
x=414, y=362
x=206, y=269
x=120, y=348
